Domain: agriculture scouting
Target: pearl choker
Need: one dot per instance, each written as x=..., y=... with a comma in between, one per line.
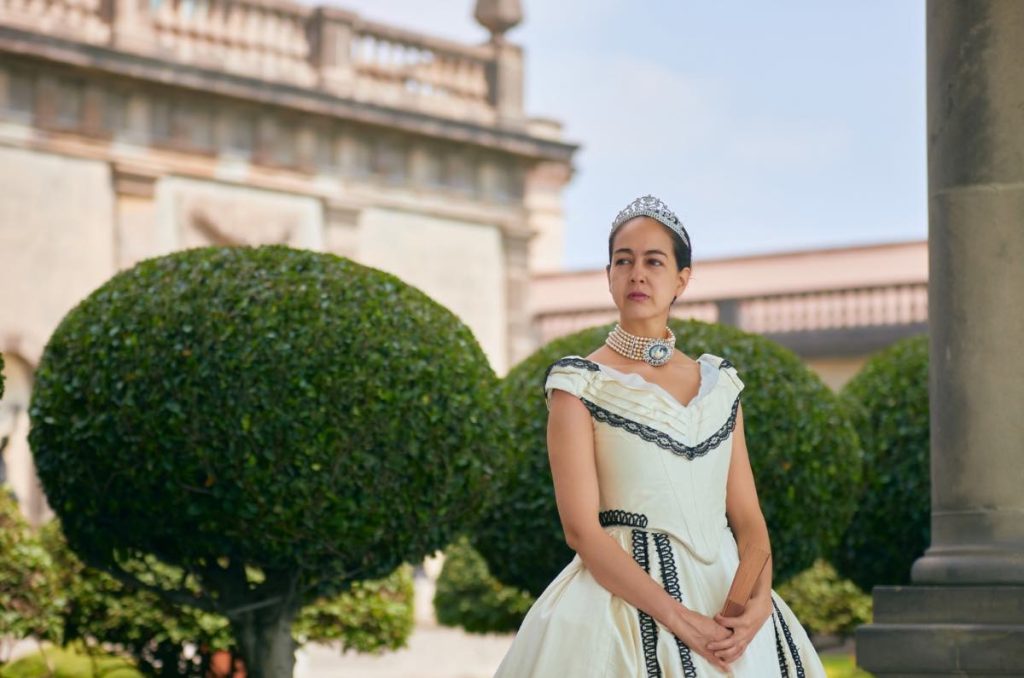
x=651, y=350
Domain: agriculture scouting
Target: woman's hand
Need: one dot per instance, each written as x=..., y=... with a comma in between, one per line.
x=743, y=627
x=697, y=631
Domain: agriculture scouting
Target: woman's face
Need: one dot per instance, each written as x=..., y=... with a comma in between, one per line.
x=642, y=275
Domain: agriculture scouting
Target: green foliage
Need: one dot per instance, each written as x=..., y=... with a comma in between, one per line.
x=30, y=598
x=69, y=663
x=802, y=450
x=268, y=420
x=91, y=608
x=468, y=596
x=372, y=616
x=100, y=610
x=824, y=602
x=888, y=403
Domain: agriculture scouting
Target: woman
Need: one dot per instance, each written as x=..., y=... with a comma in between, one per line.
x=656, y=497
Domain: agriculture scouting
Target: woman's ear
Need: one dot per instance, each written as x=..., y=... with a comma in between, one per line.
x=684, y=280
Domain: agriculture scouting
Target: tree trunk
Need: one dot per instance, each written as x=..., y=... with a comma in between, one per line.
x=265, y=642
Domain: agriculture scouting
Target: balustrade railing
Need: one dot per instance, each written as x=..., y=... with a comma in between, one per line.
x=291, y=43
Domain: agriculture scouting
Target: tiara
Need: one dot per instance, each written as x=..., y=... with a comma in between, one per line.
x=649, y=206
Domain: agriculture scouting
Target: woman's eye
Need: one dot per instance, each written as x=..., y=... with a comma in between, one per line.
x=654, y=261
x=619, y=261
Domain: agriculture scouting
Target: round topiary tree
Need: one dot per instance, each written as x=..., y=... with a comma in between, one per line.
x=888, y=405
x=802, y=450
x=276, y=423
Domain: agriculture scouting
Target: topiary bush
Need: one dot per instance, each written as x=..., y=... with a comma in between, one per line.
x=802, y=450
x=824, y=602
x=468, y=596
x=888, y=404
x=277, y=423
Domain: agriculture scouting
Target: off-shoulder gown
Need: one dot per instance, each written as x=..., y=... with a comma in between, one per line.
x=662, y=468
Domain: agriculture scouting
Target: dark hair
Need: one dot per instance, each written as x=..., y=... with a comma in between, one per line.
x=679, y=249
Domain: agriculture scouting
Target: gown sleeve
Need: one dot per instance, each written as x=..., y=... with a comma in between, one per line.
x=731, y=375
x=564, y=375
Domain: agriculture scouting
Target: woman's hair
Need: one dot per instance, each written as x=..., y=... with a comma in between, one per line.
x=679, y=248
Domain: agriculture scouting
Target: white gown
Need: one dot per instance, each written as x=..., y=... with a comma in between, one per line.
x=662, y=469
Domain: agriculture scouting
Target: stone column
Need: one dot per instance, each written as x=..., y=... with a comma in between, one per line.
x=517, y=290
x=136, y=231
x=964, y=613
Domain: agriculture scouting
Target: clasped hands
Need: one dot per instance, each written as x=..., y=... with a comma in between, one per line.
x=722, y=640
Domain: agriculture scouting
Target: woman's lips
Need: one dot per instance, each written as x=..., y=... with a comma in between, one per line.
x=637, y=296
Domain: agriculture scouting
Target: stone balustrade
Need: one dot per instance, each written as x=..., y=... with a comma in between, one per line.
x=321, y=48
x=890, y=306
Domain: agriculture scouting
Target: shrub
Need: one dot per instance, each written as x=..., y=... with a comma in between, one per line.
x=69, y=663
x=468, y=596
x=276, y=423
x=824, y=602
x=30, y=598
x=888, y=403
x=802, y=450
x=99, y=610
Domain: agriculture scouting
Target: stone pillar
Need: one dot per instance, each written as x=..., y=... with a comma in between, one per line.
x=517, y=290
x=136, y=229
x=131, y=25
x=331, y=30
x=506, y=83
x=964, y=613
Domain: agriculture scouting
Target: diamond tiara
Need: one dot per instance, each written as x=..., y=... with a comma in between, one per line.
x=649, y=206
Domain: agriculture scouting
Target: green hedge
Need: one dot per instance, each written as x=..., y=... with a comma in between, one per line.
x=888, y=403
x=469, y=597
x=802, y=450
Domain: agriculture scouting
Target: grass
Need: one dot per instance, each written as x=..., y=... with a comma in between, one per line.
x=69, y=664
x=842, y=666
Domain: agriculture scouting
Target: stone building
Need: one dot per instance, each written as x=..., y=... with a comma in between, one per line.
x=133, y=128
x=129, y=129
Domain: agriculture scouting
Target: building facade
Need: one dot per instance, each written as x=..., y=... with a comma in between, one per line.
x=133, y=128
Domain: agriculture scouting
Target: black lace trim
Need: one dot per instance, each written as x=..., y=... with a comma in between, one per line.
x=779, y=652
x=652, y=435
x=789, y=641
x=670, y=580
x=663, y=440
x=572, y=362
x=620, y=517
x=648, y=629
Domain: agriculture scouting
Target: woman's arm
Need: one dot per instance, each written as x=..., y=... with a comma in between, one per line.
x=743, y=510
x=570, y=438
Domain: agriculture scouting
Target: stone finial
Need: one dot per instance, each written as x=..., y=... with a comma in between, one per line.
x=498, y=16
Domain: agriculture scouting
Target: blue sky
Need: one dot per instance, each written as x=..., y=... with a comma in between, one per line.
x=767, y=126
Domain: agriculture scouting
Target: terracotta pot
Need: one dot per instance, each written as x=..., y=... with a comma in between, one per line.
x=220, y=666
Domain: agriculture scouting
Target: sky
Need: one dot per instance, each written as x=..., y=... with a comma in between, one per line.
x=766, y=126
